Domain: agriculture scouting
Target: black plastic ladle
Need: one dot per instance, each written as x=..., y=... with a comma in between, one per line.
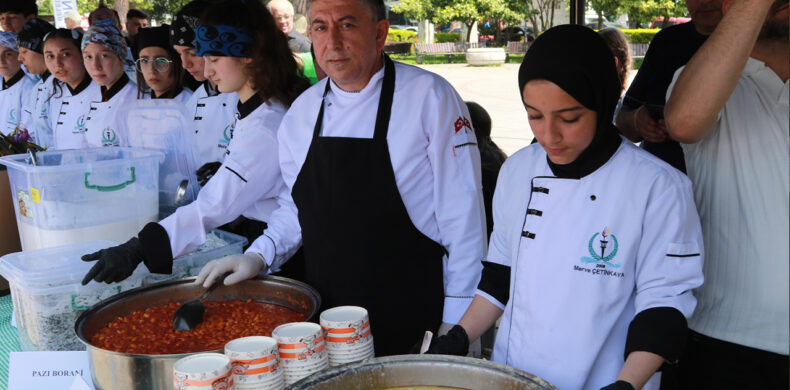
x=190, y=314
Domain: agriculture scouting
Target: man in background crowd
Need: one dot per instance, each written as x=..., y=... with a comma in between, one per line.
x=641, y=117
x=14, y=14
x=283, y=13
x=728, y=108
x=135, y=20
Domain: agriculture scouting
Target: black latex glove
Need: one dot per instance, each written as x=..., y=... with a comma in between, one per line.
x=619, y=385
x=115, y=263
x=455, y=342
x=207, y=171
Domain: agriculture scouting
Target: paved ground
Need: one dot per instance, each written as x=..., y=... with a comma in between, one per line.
x=496, y=89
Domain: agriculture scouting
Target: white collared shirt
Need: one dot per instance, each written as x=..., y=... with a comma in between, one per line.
x=740, y=175
x=434, y=156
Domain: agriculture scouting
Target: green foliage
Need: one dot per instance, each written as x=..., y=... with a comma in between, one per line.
x=644, y=11
x=447, y=37
x=401, y=36
x=640, y=35
x=466, y=11
x=160, y=10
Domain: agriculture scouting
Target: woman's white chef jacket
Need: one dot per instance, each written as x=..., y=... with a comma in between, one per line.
x=213, y=120
x=247, y=183
x=68, y=113
x=570, y=304
x=11, y=101
x=183, y=97
x=435, y=158
x=34, y=109
x=101, y=127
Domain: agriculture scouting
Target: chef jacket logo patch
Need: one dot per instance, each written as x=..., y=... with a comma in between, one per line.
x=12, y=116
x=80, y=128
x=602, y=248
x=227, y=135
x=108, y=137
x=463, y=134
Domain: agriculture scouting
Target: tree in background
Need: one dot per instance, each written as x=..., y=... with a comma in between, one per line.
x=159, y=10
x=605, y=9
x=467, y=12
x=644, y=11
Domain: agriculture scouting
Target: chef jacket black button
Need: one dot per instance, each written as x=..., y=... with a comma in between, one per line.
x=592, y=197
x=528, y=234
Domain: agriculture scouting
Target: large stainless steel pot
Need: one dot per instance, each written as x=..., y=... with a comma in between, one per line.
x=422, y=370
x=124, y=371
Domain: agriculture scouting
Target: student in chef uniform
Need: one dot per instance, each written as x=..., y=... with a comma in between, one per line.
x=159, y=66
x=596, y=244
x=383, y=185
x=103, y=51
x=15, y=85
x=255, y=63
x=31, y=41
x=213, y=113
x=72, y=90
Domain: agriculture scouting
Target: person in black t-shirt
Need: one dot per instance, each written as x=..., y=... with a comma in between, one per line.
x=641, y=117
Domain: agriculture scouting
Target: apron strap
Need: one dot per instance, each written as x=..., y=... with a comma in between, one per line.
x=385, y=103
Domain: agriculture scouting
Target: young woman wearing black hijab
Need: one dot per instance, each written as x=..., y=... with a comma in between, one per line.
x=596, y=244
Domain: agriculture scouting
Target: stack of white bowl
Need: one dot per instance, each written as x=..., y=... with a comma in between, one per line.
x=204, y=371
x=255, y=362
x=302, y=350
x=348, y=336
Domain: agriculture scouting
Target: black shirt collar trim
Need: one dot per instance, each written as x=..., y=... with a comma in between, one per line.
x=210, y=92
x=249, y=106
x=13, y=80
x=592, y=158
x=108, y=94
x=86, y=81
x=168, y=95
x=45, y=75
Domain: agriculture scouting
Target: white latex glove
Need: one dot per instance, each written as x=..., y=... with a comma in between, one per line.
x=243, y=267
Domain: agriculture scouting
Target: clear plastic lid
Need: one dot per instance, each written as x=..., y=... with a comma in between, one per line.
x=45, y=270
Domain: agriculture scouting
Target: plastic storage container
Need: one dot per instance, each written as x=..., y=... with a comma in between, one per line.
x=48, y=296
x=74, y=196
x=164, y=125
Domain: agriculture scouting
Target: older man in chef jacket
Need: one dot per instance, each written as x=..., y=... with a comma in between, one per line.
x=383, y=185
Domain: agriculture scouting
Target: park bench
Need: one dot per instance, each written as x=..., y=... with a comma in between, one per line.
x=515, y=48
x=638, y=50
x=444, y=48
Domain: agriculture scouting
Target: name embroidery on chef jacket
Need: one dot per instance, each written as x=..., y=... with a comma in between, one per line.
x=227, y=135
x=80, y=127
x=464, y=135
x=602, y=248
x=108, y=137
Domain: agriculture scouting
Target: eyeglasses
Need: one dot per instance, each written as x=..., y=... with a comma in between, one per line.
x=160, y=64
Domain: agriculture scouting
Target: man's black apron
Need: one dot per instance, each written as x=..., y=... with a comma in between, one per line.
x=360, y=245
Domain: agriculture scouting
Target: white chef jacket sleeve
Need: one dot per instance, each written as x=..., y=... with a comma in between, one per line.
x=283, y=235
x=251, y=171
x=499, y=247
x=670, y=255
x=458, y=196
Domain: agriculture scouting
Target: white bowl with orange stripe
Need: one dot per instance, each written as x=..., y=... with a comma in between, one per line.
x=203, y=371
x=348, y=334
x=254, y=359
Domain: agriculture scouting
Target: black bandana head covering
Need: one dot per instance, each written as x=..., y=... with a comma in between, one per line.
x=577, y=59
x=185, y=22
x=31, y=36
x=223, y=41
x=154, y=36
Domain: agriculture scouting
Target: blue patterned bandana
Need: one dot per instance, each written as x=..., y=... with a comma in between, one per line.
x=223, y=41
x=103, y=32
x=8, y=39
